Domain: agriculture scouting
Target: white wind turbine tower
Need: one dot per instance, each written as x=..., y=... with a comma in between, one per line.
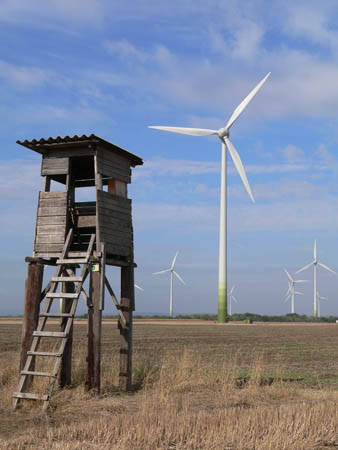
x=291, y=292
x=319, y=299
x=223, y=134
x=231, y=299
x=172, y=273
x=315, y=263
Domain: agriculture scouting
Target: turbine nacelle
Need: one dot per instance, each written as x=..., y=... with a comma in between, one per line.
x=223, y=132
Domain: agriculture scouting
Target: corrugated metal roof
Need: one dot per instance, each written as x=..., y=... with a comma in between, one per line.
x=43, y=145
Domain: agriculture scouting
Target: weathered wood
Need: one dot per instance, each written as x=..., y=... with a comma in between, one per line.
x=53, y=194
x=71, y=152
x=36, y=374
x=115, y=235
x=118, y=250
x=94, y=334
x=127, y=306
x=54, y=166
x=31, y=312
x=47, y=354
x=30, y=259
x=57, y=202
x=65, y=373
x=118, y=223
x=52, y=211
x=30, y=396
x=51, y=229
x=98, y=175
x=110, y=171
x=52, y=334
x=46, y=238
x=51, y=220
x=118, y=160
x=89, y=377
x=114, y=200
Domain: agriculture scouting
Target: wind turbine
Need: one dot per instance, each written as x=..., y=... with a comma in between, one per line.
x=291, y=292
x=315, y=262
x=172, y=273
x=231, y=299
x=223, y=134
x=319, y=298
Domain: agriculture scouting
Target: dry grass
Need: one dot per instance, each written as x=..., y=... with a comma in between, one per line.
x=185, y=400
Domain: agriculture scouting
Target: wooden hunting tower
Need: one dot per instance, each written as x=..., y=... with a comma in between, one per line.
x=71, y=234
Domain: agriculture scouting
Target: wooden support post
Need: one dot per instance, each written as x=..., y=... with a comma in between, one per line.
x=127, y=307
x=93, y=372
x=65, y=374
x=33, y=288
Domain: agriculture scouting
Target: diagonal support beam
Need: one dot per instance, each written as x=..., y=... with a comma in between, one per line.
x=116, y=303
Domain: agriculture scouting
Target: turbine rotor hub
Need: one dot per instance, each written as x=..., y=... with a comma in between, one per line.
x=222, y=133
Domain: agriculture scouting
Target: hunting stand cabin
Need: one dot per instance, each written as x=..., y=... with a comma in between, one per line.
x=76, y=235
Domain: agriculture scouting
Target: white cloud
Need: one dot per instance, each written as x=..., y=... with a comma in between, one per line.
x=22, y=75
x=125, y=50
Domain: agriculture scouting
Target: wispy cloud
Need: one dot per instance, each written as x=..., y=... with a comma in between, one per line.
x=22, y=75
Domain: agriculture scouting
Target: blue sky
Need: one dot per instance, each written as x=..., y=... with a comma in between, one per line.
x=112, y=68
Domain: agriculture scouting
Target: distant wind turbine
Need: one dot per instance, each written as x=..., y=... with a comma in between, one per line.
x=231, y=299
x=172, y=273
x=223, y=134
x=315, y=263
x=291, y=292
x=319, y=299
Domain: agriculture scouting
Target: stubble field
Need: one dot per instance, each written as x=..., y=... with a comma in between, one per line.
x=197, y=385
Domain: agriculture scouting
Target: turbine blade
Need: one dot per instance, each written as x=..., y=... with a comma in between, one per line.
x=174, y=260
x=241, y=107
x=161, y=271
x=239, y=166
x=327, y=268
x=231, y=290
x=183, y=130
x=301, y=281
x=138, y=287
x=299, y=293
x=305, y=267
x=315, y=250
x=287, y=298
x=289, y=276
x=179, y=277
x=234, y=299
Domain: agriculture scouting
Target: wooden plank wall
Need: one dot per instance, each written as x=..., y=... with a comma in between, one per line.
x=54, y=166
x=115, y=225
x=51, y=223
x=113, y=166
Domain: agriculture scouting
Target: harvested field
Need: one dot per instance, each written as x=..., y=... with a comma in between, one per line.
x=198, y=385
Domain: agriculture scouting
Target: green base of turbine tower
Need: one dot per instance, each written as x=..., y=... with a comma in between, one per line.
x=222, y=304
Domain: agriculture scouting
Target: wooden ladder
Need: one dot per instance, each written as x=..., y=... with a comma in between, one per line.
x=65, y=273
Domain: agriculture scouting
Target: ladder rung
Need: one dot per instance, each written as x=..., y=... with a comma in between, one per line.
x=56, y=355
x=30, y=395
x=62, y=295
x=37, y=374
x=72, y=261
x=67, y=279
x=56, y=315
x=77, y=254
x=56, y=334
